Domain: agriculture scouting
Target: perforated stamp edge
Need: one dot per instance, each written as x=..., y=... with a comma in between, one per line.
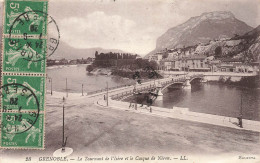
x=21, y=74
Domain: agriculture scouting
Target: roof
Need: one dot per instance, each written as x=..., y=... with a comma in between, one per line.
x=229, y=60
x=195, y=57
x=255, y=63
x=206, y=68
x=227, y=66
x=215, y=61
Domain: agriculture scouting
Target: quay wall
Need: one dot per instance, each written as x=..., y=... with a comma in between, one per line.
x=185, y=114
x=218, y=77
x=213, y=76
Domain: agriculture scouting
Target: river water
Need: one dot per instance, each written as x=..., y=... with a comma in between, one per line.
x=209, y=98
x=77, y=75
x=216, y=99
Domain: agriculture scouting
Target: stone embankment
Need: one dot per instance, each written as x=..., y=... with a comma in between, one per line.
x=183, y=114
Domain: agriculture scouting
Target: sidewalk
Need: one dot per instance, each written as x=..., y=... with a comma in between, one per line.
x=184, y=114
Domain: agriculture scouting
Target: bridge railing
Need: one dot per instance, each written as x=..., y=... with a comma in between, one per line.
x=196, y=75
x=105, y=89
x=122, y=95
x=143, y=88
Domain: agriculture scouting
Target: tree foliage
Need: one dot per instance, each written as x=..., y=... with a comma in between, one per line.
x=218, y=52
x=90, y=68
x=122, y=61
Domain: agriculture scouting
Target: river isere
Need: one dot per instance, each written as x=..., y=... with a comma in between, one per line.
x=214, y=98
x=211, y=98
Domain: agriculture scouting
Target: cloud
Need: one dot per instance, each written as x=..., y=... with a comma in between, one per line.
x=96, y=30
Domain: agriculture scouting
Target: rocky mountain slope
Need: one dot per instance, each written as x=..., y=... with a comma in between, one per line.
x=202, y=29
x=245, y=47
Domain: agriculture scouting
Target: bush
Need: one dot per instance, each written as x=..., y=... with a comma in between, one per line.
x=89, y=68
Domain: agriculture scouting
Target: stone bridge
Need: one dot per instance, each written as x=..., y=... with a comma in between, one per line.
x=185, y=81
x=158, y=87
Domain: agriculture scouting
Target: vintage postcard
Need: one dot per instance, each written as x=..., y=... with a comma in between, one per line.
x=131, y=81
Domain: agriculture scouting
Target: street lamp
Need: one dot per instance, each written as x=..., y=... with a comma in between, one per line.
x=50, y=81
x=66, y=87
x=63, y=151
x=107, y=93
x=135, y=91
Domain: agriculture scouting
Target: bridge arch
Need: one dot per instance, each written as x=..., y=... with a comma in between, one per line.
x=183, y=80
x=166, y=86
x=196, y=78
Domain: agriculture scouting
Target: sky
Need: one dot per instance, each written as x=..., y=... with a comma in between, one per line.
x=134, y=25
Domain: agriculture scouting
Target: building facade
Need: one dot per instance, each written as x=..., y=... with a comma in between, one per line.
x=194, y=63
x=156, y=57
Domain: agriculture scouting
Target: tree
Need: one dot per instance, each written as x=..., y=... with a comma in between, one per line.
x=153, y=65
x=96, y=54
x=165, y=55
x=218, y=52
x=89, y=68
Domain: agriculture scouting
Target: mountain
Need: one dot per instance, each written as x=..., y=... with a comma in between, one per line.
x=64, y=50
x=201, y=29
x=254, y=37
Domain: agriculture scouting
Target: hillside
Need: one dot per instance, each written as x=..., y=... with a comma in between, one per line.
x=202, y=29
x=245, y=47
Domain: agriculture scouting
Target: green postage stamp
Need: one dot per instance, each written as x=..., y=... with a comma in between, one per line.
x=23, y=74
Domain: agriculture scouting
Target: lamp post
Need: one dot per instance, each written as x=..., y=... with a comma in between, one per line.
x=63, y=142
x=63, y=151
x=135, y=96
x=82, y=90
x=50, y=81
x=241, y=112
x=66, y=87
x=107, y=93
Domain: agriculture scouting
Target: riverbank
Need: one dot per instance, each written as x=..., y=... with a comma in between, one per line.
x=208, y=73
x=63, y=66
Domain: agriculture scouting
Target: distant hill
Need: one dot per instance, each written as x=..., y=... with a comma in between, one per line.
x=64, y=50
x=202, y=29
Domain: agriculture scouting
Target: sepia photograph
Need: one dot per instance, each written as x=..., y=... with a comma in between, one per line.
x=154, y=81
